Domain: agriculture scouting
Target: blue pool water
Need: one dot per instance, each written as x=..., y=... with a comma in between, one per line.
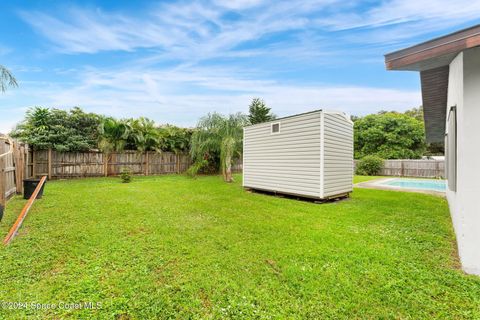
x=423, y=184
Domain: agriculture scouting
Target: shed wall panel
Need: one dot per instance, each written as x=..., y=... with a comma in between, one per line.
x=292, y=160
x=287, y=161
x=338, y=155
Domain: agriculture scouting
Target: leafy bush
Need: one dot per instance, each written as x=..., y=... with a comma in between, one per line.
x=142, y=135
x=60, y=130
x=126, y=175
x=389, y=135
x=369, y=166
x=174, y=139
x=196, y=167
x=75, y=130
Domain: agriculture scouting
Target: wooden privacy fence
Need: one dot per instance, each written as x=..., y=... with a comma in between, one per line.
x=63, y=165
x=12, y=168
x=413, y=168
x=237, y=166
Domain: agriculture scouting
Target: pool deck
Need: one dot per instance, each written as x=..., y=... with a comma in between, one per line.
x=378, y=184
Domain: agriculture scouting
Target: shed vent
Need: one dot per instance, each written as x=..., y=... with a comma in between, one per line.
x=275, y=127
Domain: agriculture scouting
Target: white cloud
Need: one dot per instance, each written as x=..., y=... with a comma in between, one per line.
x=193, y=33
x=182, y=30
x=156, y=94
x=238, y=4
x=395, y=12
x=199, y=30
x=398, y=23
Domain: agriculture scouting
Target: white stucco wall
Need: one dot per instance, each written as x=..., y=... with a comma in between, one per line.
x=464, y=93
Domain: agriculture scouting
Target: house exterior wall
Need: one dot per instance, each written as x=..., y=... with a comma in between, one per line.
x=287, y=161
x=464, y=93
x=338, y=154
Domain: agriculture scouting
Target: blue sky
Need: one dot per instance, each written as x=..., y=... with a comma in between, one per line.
x=176, y=61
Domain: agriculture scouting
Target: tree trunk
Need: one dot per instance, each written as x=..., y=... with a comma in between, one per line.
x=228, y=169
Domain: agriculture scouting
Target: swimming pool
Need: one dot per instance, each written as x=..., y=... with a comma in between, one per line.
x=420, y=184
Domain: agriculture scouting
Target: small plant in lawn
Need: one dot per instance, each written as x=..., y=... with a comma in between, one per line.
x=196, y=167
x=126, y=175
x=369, y=166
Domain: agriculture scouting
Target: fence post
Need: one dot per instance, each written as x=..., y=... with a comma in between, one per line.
x=27, y=159
x=105, y=163
x=19, y=166
x=23, y=168
x=177, y=158
x=34, y=167
x=146, y=163
x=162, y=163
x=3, y=181
x=49, y=160
x=26, y=172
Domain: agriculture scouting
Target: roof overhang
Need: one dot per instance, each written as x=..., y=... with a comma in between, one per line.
x=434, y=53
x=434, y=100
x=432, y=59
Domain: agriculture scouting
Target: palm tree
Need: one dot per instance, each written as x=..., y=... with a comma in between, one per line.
x=221, y=135
x=113, y=135
x=144, y=134
x=6, y=79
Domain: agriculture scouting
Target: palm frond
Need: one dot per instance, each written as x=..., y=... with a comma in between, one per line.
x=6, y=79
x=216, y=134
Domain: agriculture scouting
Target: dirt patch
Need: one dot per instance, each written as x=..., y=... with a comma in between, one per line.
x=207, y=304
x=273, y=266
x=166, y=270
x=456, y=264
x=136, y=232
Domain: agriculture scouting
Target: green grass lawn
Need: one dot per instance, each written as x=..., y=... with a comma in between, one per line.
x=358, y=179
x=173, y=247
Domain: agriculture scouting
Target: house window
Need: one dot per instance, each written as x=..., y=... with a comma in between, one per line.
x=275, y=127
x=451, y=149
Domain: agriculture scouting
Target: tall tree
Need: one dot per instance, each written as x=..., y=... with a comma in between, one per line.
x=259, y=112
x=6, y=79
x=221, y=135
x=389, y=135
x=61, y=130
x=416, y=113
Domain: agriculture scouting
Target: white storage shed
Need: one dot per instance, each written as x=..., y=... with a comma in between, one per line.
x=308, y=155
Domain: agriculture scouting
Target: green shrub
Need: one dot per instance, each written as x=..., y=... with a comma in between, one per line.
x=126, y=175
x=369, y=166
x=196, y=167
x=389, y=135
